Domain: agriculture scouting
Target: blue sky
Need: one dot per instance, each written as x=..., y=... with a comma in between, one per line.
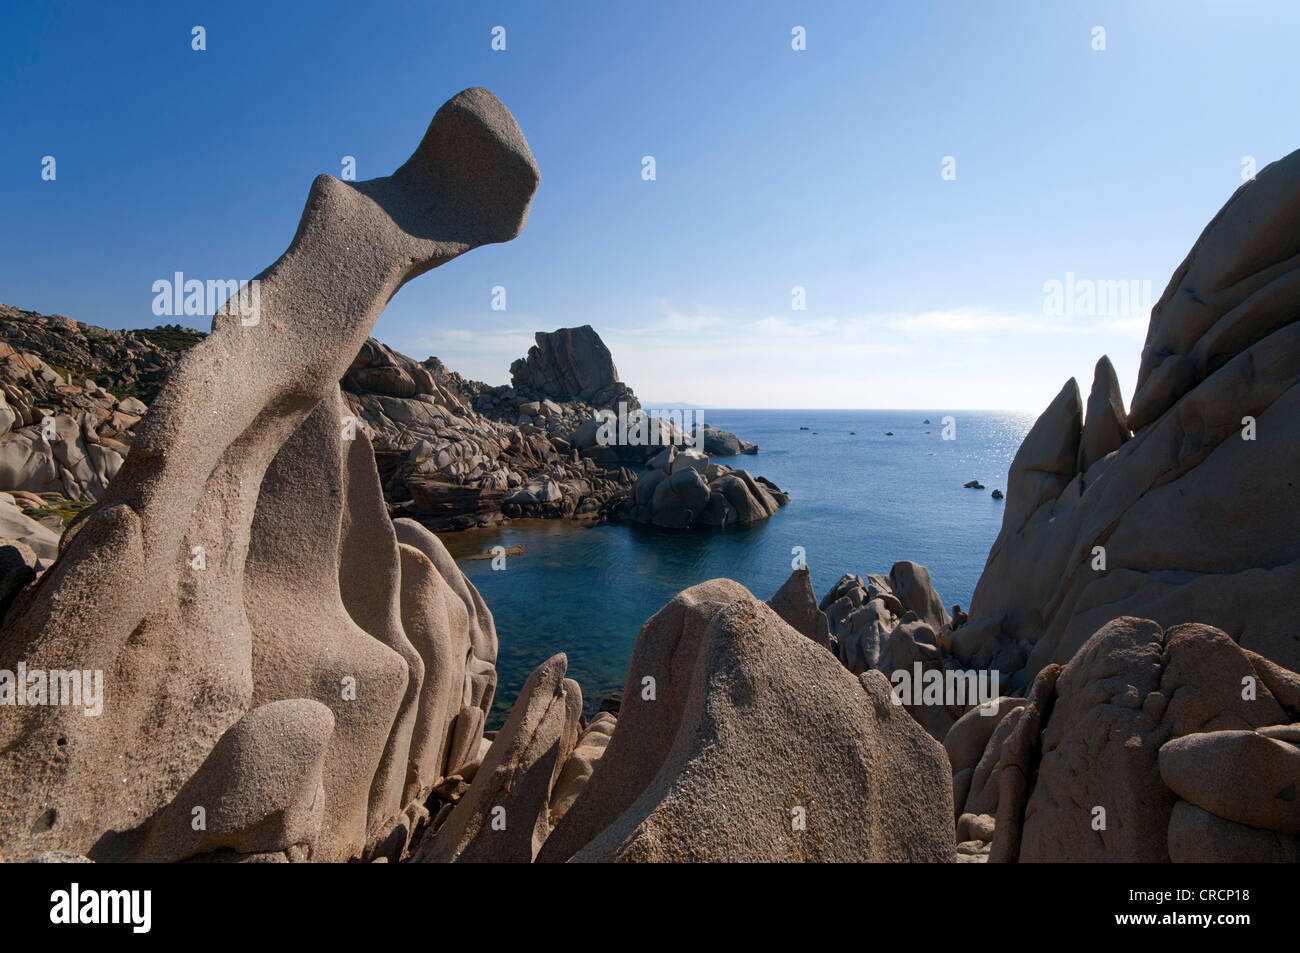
x=775, y=168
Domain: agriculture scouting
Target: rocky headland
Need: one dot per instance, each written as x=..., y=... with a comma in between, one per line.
x=452, y=453
x=314, y=679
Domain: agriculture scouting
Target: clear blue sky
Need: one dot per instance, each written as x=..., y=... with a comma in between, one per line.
x=775, y=168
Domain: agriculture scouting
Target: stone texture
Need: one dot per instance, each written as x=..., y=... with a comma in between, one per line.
x=1131, y=689
x=1197, y=837
x=665, y=652
x=753, y=727
x=261, y=789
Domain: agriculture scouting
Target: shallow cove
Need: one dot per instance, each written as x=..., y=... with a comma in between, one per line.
x=859, y=502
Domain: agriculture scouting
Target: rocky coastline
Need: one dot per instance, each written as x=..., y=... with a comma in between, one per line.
x=1123, y=686
x=452, y=453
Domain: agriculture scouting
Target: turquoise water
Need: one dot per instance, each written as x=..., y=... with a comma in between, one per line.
x=858, y=503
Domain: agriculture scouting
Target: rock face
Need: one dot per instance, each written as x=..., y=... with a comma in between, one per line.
x=571, y=363
x=1194, y=518
x=264, y=787
x=197, y=622
x=739, y=739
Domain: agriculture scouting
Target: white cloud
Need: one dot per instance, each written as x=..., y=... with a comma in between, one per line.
x=964, y=358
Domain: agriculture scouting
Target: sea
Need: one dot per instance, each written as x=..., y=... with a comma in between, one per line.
x=867, y=488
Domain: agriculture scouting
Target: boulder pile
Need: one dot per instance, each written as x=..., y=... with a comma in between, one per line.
x=60, y=434
x=683, y=488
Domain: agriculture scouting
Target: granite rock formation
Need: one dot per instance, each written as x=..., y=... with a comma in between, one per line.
x=721, y=443
x=740, y=739
x=1192, y=518
x=682, y=489
x=315, y=679
x=571, y=363
x=796, y=603
x=447, y=465
x=165, y=587
x=506, y=813
x=1149, y=745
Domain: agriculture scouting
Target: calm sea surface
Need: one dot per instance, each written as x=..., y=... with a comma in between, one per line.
x=859, y=502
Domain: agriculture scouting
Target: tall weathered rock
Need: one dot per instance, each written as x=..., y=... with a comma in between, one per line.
x=1195, y=518
x=1047, y=460
x=569, y=363
x=152, y=587
x=1105, y=424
